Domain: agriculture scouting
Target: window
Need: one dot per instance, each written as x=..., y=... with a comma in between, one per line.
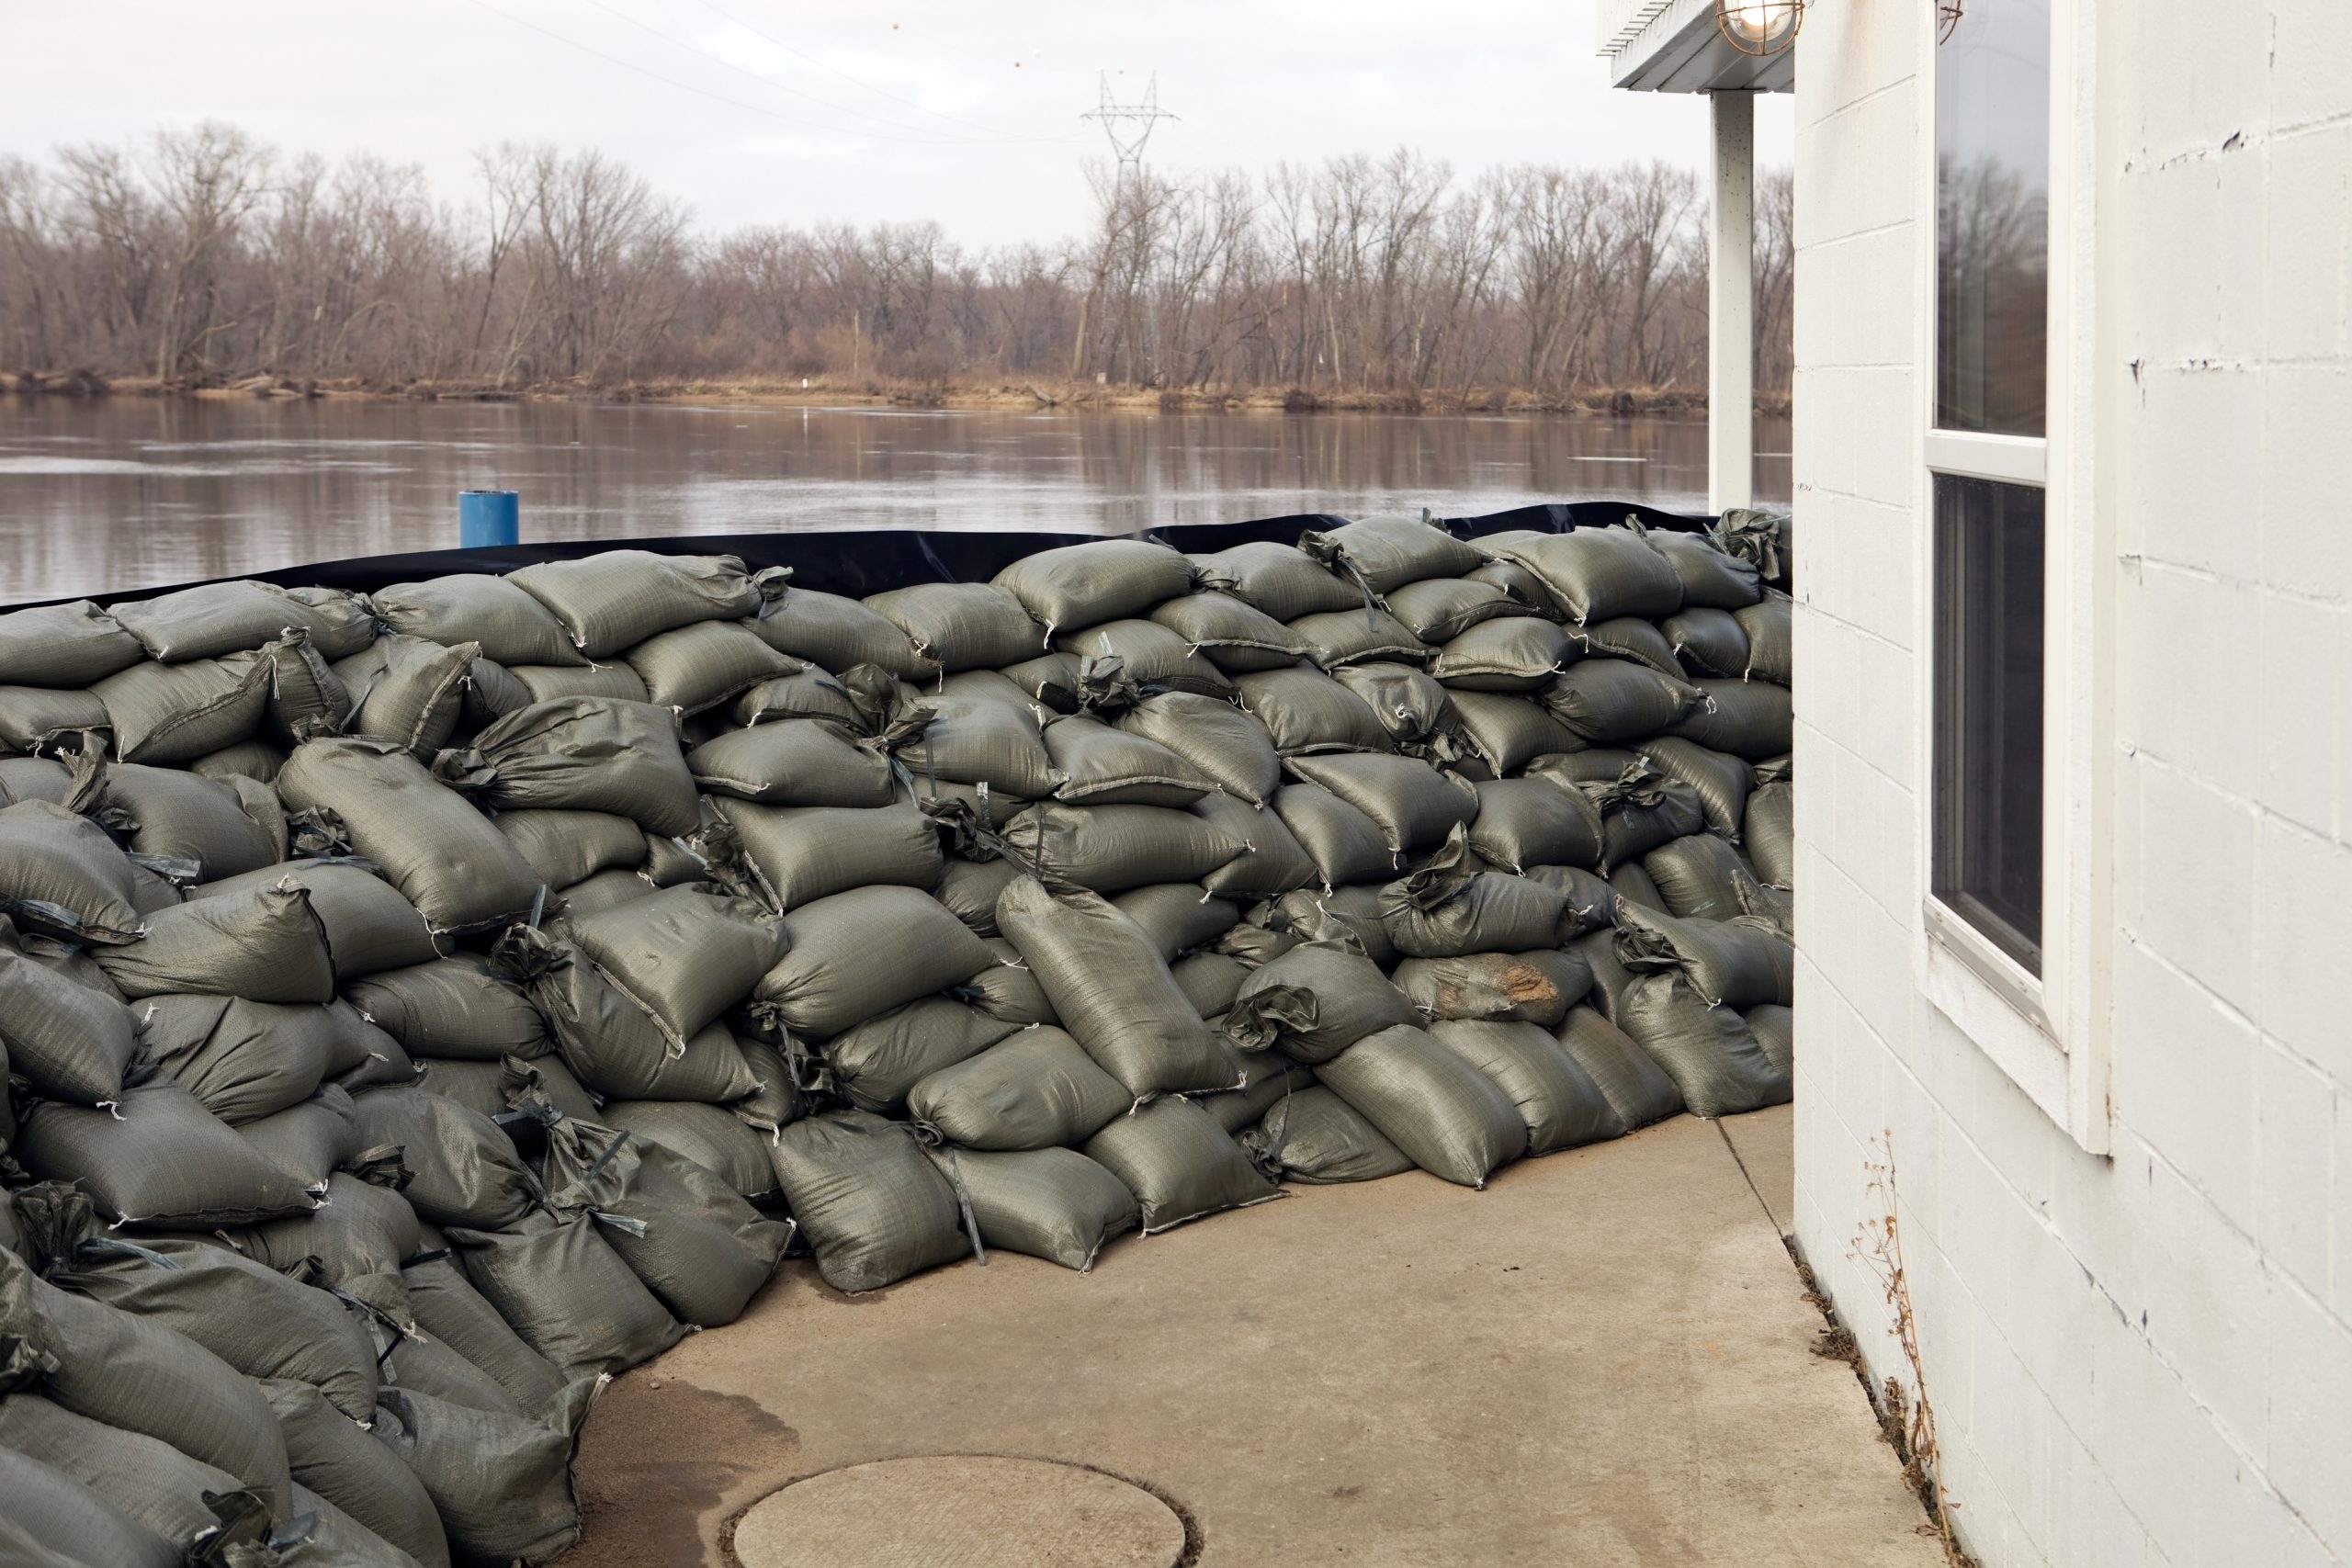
x=1988, y=681
x=1988, y=450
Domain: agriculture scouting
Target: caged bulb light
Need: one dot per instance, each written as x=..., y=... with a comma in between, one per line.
x=1759, y=26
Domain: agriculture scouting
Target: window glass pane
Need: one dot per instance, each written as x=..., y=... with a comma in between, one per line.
x=1988, y=710
x=1993, y=217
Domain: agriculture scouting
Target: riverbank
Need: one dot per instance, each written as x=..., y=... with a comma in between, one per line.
x=837, y=393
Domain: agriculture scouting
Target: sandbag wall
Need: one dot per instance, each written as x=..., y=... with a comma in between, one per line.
x=476, y=981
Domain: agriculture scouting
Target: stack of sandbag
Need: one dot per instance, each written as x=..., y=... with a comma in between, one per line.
x=502, y=970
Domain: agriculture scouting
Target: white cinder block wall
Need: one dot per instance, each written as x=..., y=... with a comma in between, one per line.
x=2145, y=1359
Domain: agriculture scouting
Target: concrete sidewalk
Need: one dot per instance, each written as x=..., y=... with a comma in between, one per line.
x=1601, y=1360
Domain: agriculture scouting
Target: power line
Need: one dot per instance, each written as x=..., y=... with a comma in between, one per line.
x=1129, y=126
x=928, y=136
x=861, y=82
x=760, y=109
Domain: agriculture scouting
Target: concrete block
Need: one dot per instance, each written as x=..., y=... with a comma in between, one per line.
x=2311, y=62
x=2300, y=717
x=2295, y=1115
x=2205, y=1314
x=2196, y=854
x=2191, y=447
x=2306, y=233
x=2303, y=924
x=2182, y=695
x=2186, y=1081
x=2306, y=411
x=2311, y=1389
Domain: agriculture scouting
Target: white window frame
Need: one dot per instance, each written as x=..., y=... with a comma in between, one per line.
x=2048, y=1032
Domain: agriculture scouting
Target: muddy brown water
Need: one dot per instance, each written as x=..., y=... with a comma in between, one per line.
x=125, y=492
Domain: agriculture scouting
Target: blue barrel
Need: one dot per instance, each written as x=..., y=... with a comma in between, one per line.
x=487, y=517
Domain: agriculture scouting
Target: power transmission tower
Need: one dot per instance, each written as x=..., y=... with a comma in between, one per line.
x=1129, y=126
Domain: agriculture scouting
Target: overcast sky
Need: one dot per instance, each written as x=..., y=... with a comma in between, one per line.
x=860, y=110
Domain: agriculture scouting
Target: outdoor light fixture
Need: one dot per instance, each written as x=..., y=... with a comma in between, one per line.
x=1759, y=26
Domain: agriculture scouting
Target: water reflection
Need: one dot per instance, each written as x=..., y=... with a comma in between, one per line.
x=131, y=491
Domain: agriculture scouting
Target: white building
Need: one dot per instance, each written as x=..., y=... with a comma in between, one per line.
x=2073, y=768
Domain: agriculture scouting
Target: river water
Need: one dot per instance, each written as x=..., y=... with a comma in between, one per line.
x=125, y=492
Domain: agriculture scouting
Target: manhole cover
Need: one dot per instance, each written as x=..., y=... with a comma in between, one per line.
x=960, y=1511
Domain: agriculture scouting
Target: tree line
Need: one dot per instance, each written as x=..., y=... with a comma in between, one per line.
x=202, y=255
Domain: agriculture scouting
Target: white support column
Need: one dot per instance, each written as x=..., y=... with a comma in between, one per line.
x=1731, y=304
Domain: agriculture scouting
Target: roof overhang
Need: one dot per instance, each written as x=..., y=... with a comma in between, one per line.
x=1674, y=46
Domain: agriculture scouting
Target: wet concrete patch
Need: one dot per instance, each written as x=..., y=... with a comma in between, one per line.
x=657, y=1455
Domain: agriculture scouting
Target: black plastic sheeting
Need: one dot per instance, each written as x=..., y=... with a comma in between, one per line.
x=857, y=562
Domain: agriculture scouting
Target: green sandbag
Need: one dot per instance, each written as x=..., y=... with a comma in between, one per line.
x=616, y=599
x=1511, y=653
x=548, y=682
x=1102, y=766
x=1273, y=862
x=68, y=1041
x=838, y=633
x=452, y=1312
x=511, y=627
x=1636, y=1087
x=1220, y=741
x=869, y=1203
x=794, y=762
x=1640, y=809
x=1346, y=918
x=1740, y=962
x=1033, y=1090
x=705, y=665
x=1281, y=580
x=1076, y=586
x=459, y=1007
x=1005, y=989
x=142, y=1376
x=1314, y=1002
x=688, y=1251
x=1535, y=986
x=1212, y=982
x=1451, y=1118
x=171, y=713
x=974, y=740
x=1770, y=834
x=62, y=1514
x=35, y=718
x=565, y=847
x=1608, y=702
x=1775, y=1029
x=160, y=1489
x=60, y=873
x=407, y=690
x=1557, y=1098
x=1237, y=637
x=1709, y=575
x=67, y=645
x=1304, y=711
x=686, y=954
x=1270, y=1078
x=441, y=854
x=612, y=1043
x=335, y=1456
x=1415, y=804
x=1770, y=639
x=158, y=1159
x=567, y=1294
x=1754, y=719
x=707, y=1135
x=1508, y=731
x=1343, y=843
x=1524, y=823
x=804, y=854
x=264, y=943
x=1051, y=1203
x=1721, y=780
x=1697, y=874
x=1708, y=1050
x=1112, y=991
x=807, y=693
x=1598, y=574
x=175, y=814
x=214, y=618
x=1631, y=637
x=961, y=625
x=1144, y=653
x=586, y=753
x=1391, y=550
x=358, y=1235
x=1708, y=642
x=1178, y=1164
x=308, y=1142
x=1411, y=706
x=1438, y=609
x=370, y=926
x=1444, y=909
x=877, y=1061
x=1314, y=1136
x=864, y=952
x=242, y=1060
x=465, y=1169
x=500, y=1484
